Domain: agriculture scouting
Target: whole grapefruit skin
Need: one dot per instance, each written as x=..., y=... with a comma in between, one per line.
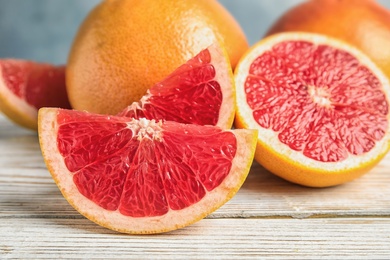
x=362, y=23
x=124, y=47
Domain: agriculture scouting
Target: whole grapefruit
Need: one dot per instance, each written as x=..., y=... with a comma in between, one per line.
x=362, y=23
x=124, y=47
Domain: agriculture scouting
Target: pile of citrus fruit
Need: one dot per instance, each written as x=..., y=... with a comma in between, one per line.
x=148, y=145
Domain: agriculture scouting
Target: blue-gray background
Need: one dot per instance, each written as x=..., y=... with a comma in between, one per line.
x=43, y=30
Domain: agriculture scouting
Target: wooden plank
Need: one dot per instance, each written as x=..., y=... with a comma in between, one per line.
x=351, y=238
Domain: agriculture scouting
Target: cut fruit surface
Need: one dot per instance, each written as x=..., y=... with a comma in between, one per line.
x=26, y=86
x=201, y=91
x=320, y=105
x=143, y=176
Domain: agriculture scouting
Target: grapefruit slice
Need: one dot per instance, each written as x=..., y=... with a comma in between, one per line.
x=201, y=91
x=26, y=86
x=320, y=105
x=143, y=176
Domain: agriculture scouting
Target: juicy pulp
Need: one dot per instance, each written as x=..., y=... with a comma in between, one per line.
x=141, y=167
x=319, y=99
x=189, y=95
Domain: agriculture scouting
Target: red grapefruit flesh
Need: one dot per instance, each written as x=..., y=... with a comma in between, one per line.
x=333, y=95
x=200, y=91
x=321, y=106
x=143, y=176
x=26, y=86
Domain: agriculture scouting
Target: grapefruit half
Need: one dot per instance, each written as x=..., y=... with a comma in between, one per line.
x=26, y=86
x=201, y=91
x=143, y=176
x=320, y=105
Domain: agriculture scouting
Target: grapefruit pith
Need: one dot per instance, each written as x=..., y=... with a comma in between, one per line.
x=26, y=86
x=201, y=91
x=126, y=46
x=320, y=105
x=143, y=176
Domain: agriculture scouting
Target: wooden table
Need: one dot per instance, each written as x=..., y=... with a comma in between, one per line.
x=268, y=218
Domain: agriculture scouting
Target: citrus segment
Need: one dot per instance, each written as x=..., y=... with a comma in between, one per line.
x=201, y=91
x=119, y=51
x=26, y=86
x=321, y=107
x=139, y=175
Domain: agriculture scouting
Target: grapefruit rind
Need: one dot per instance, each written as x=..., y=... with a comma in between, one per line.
x=224, y=76
x=16, y=109
x=282, y=160
x=174, y=219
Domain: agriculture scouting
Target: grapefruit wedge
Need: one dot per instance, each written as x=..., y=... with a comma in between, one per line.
x=26, y=86
x=143, y=176
x=320, y=105
x=201, y=91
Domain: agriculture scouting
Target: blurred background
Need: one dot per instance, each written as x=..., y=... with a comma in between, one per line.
x=43, y=30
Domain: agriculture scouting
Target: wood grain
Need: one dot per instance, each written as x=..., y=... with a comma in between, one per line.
x=268, y=218
x=208, y=239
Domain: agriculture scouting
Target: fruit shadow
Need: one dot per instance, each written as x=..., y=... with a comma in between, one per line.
x=262, y=189
x=261, y=180
x=12, y=132
x=265, y=195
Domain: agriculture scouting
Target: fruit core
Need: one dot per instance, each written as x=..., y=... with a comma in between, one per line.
x=144, y=128
x=320, y=96
x=321, y=101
